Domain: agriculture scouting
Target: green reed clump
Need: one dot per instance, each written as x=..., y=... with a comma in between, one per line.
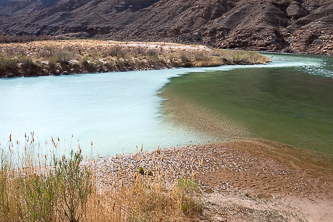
x=75, y=185
x=187, y=184
x=39, y=195
x=190, y=205
x=36, y=188
x=33, y=191
x=4, y=177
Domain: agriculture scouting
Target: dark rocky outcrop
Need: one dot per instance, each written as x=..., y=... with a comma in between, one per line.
x=302, y=26
x=295, y=10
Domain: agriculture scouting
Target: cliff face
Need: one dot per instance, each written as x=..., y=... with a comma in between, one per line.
x=276, y=25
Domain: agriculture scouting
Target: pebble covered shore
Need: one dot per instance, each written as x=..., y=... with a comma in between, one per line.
x=247, y=173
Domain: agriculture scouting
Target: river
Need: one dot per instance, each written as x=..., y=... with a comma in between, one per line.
x=288, y=100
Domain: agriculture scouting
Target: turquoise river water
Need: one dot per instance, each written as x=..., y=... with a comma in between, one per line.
x=288, y=100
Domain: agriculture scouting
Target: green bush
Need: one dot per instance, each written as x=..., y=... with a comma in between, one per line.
x=75, y=185
x=52, y=193
x=40, y=196
x=28, y=64
x=7, y=63
x=187, y=184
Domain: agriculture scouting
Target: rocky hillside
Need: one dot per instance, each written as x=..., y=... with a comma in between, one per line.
x=303, y=26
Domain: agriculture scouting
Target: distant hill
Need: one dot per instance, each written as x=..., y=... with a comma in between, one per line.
x=304, y=26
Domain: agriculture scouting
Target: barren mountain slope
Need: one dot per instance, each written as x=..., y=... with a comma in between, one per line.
x=278, y=25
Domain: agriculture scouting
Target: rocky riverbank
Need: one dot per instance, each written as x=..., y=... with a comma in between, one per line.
x=244, y=180
x=41, y=58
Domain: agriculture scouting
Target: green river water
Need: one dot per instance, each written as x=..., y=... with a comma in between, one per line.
x=291, y=104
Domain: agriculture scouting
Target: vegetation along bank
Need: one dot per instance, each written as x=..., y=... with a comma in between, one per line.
x=42, y=58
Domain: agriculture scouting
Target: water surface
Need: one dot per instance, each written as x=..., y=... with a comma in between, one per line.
x=289, y=100
x=118, y=112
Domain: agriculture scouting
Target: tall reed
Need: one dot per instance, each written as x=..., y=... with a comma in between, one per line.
x=36, y=187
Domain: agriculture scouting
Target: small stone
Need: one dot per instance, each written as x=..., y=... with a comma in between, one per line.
x=265, y=196
x=45, y=62
x=19, y=65
x=209, y=191
x=73, y=62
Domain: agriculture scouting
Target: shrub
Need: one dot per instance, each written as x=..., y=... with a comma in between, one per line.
x=151, y=52
x=190, y=205
x=40, y=196
x=8, y=63
x=32, y=189
x=48, y=193
x=187, y=185
x=116, y=51
x=185, y=59
x=200, y=56
x=74, y=184
x=141, y=171
x=28, y=64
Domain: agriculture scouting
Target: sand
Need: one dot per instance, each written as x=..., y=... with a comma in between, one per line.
x=245, y=180
x=254, y=179
x=192, y=117
x=242, y=178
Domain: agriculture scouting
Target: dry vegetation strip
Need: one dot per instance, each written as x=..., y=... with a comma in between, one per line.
x=40, y=58
x=46, y=188
x=186, y=184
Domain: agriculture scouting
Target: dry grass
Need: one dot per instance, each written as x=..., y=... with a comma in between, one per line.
x=149, y=186
x=47, y=188
x=80, y=56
